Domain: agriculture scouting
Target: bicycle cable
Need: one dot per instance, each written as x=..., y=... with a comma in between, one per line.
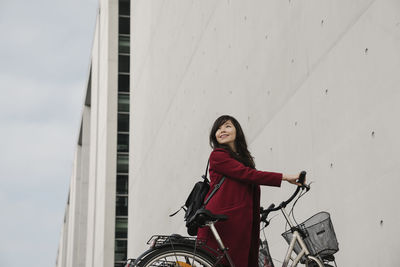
x=291, y=212
x=265, y=237
x=265, y=225
x=292, y=209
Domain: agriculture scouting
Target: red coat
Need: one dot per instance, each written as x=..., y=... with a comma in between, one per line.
x=239, y=198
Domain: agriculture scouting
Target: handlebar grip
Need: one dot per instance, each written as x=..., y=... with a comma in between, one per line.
x=302, y=177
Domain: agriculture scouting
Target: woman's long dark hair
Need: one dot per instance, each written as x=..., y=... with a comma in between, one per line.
x=243, y=155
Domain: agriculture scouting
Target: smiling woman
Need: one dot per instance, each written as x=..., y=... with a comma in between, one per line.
x=239, y=196
x=228, y=134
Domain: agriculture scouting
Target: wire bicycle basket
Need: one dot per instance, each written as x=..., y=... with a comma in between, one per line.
x=320, y=237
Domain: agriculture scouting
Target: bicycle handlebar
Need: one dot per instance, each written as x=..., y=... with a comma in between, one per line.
x=264, y=213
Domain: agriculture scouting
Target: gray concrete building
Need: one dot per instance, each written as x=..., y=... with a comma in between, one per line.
x=96, y=217
x=314, y=84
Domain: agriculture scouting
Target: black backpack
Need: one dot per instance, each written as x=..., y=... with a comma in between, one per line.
x=195, y=201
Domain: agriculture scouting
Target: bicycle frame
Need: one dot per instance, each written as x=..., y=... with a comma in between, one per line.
x=220, y=243
x=296, y=238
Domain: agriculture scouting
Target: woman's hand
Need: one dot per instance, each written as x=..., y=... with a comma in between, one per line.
x=291, y=178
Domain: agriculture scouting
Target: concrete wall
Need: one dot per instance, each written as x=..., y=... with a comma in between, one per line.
x=315, y=86
x=74, y=212
x=62, y=244
x=103, y=138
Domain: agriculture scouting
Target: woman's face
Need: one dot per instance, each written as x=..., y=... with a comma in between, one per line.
x=226, y=135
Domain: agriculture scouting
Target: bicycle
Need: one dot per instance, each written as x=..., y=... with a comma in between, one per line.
x=179, y=251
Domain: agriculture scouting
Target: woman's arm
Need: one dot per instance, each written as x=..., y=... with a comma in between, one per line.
x=223, y=163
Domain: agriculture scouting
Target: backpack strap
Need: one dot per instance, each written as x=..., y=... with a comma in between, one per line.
x=206, y=172
x=181, y=208
x=216, y=187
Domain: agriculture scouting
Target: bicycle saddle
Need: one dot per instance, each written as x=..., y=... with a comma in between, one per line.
x=203, y=216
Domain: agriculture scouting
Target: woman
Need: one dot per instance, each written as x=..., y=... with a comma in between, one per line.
x=239, y=195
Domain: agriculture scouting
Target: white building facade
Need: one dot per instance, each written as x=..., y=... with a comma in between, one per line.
x=96, y=217
x=314, y=84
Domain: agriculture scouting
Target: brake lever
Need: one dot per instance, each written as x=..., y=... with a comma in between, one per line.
x=306, y=186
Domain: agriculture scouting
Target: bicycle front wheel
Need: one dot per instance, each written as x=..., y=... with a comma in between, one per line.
x=178, y=256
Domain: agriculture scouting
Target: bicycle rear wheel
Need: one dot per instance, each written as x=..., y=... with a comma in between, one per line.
x=178, y=256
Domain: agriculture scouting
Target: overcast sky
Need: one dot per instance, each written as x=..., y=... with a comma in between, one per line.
x=44, y=57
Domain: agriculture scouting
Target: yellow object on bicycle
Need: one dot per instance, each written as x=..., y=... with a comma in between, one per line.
x=183, y=264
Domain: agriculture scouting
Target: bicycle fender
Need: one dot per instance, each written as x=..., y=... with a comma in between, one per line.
x=188, y=245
